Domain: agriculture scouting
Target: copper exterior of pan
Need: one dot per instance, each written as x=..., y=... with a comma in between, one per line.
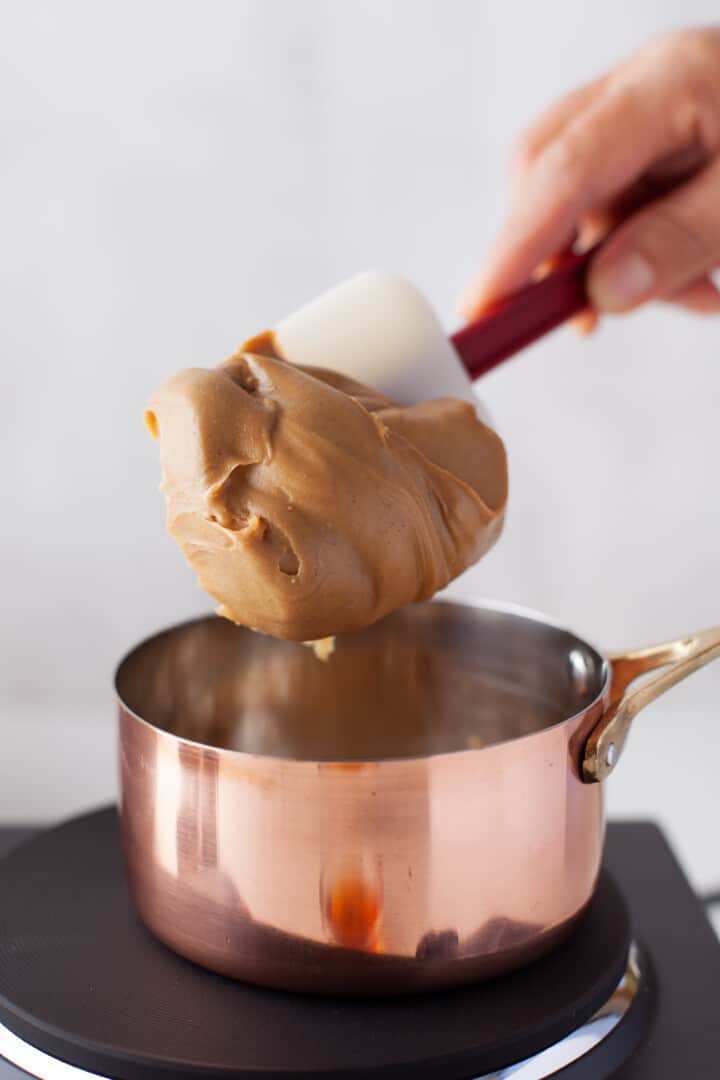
x=417, y=813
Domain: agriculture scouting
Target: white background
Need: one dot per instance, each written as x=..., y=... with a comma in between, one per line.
x=176, y=176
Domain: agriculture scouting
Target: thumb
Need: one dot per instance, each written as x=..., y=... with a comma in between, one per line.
x=662, y=248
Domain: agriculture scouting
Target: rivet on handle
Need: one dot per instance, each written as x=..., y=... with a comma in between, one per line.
x=678, y=659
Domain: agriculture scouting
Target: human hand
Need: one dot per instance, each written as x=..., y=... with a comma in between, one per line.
x=637, y=152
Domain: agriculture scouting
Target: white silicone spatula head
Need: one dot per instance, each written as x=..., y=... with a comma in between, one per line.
x=378, y=329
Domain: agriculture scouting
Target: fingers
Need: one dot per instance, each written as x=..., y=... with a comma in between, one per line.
x=653, y=109
x=702, y=297
x=662, y=248
x=530, y=143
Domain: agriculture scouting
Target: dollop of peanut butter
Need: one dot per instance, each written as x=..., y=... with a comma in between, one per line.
x=310, y=505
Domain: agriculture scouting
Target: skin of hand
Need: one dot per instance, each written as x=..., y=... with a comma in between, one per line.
x=635, y=153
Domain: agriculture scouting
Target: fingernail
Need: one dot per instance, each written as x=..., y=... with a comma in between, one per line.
x=585, y=323
x=464, y=303
x=470, y=303
x=619, y=283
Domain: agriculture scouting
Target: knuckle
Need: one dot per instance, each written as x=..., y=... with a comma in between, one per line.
x=571, y=151
x=689, y=61
x=570, y=167
x=695, y=115
x=680, y=46
x=684, y=55
x=688, y=241
x=697, y=48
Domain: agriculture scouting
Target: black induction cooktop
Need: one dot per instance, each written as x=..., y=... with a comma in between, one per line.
x=677, y=1017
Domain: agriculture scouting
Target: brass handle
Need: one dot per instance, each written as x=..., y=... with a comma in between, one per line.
x=680, y=658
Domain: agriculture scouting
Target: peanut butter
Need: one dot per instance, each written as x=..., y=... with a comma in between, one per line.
x=310, y=505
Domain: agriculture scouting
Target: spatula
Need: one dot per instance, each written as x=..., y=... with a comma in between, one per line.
x=377, y=328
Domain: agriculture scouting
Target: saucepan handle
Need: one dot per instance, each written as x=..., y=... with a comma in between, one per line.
x=678, y=659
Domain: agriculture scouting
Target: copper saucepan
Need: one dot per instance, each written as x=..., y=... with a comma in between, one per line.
x=419, y=812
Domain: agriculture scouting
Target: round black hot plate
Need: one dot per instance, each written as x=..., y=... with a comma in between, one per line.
x=82, y=980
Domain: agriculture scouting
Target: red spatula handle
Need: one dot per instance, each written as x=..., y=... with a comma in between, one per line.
x=523, y=316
